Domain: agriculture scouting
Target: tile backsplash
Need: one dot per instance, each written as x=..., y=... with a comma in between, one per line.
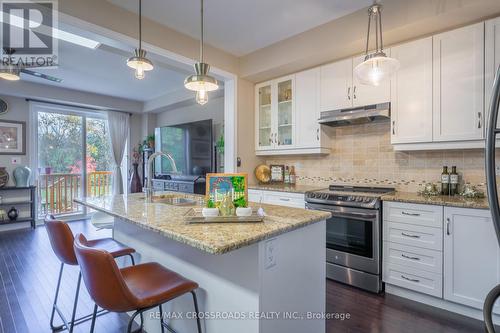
x=363, y=154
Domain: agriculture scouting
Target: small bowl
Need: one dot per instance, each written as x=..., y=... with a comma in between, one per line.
x=244, y=211
x=210, y=212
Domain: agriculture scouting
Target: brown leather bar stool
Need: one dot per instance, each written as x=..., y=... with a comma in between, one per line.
x=61, y=239
x=136, y=288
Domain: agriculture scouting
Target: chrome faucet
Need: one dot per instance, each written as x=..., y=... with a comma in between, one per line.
x=149, y=188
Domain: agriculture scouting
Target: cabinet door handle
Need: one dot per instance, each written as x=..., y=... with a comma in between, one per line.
x=317, y=134
x=410, y=214
x=393, y=127
x=448, y=222
x=408, y=279
x=479, y=125
x=408, y=235
x=285, y=199
x=354, y=92
x=349, y=93
x=408, y=257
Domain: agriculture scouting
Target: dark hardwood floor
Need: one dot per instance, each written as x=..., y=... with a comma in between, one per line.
x=28, y=276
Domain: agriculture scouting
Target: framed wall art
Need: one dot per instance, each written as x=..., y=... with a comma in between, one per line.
x=277, y=173
x=222, y=184
x=12, y=137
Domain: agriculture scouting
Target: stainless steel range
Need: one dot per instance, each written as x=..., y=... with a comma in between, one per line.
x=353, y=233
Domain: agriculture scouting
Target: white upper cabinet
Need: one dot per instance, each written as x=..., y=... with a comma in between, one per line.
x=363, y=94
x=411, y=93
x=307, y=99
x=459, y=84
x=287, y=112
x=275, y=114
x=492, y=56
x=341, y=90
x=336, y=85
x=471, y=256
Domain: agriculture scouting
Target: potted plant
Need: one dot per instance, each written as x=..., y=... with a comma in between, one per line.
x=149, y=141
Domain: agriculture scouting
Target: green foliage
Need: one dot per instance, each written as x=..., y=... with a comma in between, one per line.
x=238, y=183
x=60, y=142
x=210, y=204
x=240, y=202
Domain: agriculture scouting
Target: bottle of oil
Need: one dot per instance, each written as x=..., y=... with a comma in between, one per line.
x=453, y=181
x=293, y=177
x=445, y=181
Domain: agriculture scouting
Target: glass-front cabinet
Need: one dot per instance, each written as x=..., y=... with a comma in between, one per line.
x=275, y=114
x=265, y=134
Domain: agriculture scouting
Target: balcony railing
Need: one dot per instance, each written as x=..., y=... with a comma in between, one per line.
x=56, y=191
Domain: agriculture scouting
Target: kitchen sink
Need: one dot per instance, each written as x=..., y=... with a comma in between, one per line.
x=175, y=200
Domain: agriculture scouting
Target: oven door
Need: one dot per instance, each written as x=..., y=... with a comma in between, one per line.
x=352, y=237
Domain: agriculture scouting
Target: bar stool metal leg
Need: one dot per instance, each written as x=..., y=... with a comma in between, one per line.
x=195, y=301
x=94, y=315
x=75, y=304
x=54, y=305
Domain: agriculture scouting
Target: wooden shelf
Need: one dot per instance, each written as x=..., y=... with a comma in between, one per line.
x=19, y=220
x=8, y=203
x=12, y=188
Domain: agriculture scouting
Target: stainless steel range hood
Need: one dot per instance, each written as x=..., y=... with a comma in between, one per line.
x=358, y=115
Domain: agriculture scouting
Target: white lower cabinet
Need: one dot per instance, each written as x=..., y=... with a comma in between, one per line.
x=413, y=247
x=288, y=199
x=446, y=252
x=471, y=256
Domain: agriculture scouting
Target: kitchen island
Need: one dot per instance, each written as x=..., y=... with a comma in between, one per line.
x=256, y=277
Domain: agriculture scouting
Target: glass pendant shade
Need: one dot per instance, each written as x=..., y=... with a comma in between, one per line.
x=140, y=63
x=377, y=66
x=10, y=74
x=375, y=69
x=201, y=81
x=202, y=97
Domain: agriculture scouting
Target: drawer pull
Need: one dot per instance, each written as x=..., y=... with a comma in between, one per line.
x=408, y=279
x=410, y=214
x=285, y=199
x=408, y=257
x=408, y=235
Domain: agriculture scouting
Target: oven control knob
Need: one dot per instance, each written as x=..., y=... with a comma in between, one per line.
x=317, y=195
x=349, y=198
x=367, y=200
x=359, y=199
x=324, y=196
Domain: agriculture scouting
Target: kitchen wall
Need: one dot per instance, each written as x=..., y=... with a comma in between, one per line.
x=362, y=154
x=19, y=111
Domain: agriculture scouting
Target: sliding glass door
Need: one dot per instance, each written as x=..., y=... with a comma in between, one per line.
x=73, y=160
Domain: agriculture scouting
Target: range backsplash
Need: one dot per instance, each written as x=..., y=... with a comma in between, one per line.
x=363, y=154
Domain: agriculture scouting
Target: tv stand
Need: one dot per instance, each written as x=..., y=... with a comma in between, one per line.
x=180, y=183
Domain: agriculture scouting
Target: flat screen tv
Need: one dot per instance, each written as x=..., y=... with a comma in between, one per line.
x=190, y=145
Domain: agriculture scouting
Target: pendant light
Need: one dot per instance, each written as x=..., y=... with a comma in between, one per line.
x=10, y=73
x=138, y=61
x=201, y=81
x=377, y=66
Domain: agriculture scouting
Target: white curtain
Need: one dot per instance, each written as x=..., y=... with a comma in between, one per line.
x=118, y=134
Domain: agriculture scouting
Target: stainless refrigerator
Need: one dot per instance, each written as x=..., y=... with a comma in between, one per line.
x=492, y=132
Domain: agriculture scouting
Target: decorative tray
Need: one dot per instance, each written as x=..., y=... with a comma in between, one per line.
x=194, y=216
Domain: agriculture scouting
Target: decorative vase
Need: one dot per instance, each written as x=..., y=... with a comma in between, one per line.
x=135, y=181
x=22, y=175
x=4, y=177
x=13, y=214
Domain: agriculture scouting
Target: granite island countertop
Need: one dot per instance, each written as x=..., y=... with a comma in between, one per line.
x=285, y=188
x=214, y=238
x=440, y=200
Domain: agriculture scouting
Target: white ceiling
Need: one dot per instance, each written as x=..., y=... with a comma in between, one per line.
x=241, y=26
x=104, y=71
